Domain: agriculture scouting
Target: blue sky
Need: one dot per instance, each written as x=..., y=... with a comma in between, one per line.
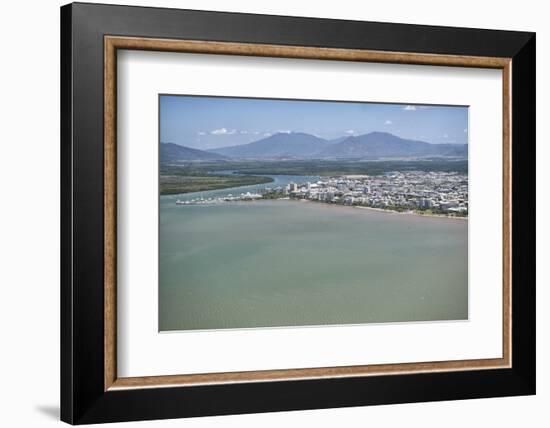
x=209, y=122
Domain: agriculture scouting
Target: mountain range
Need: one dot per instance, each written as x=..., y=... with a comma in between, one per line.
x=290, y=145
x=298, y=145
x=170, y=152
x=384, y=144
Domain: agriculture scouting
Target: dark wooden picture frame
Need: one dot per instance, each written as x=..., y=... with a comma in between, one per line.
x=90, y=389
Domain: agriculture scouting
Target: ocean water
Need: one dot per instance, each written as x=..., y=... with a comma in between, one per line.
x=291, y=263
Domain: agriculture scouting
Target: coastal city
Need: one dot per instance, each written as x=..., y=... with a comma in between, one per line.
x=438, y=193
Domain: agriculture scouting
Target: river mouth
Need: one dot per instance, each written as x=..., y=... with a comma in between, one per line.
x=277, y=181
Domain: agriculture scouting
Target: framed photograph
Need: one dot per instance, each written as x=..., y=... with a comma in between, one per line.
x=265, y=213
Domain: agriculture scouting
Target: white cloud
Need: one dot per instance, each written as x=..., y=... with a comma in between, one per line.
x=243, y=132
x=267, y=134
x=350, y=131
x=223, y=131
x=409, y=108
x=388, y=122
x=284, y=131
x=256, y=132
x=220, y=131
x=201, y=133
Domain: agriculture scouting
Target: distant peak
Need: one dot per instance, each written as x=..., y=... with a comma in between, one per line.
x=380, y=133
x=373, y=134
x=282, y=133
x=288, y=133
x=293, y=134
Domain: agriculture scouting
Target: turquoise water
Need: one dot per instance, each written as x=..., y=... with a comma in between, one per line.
x=291, y=263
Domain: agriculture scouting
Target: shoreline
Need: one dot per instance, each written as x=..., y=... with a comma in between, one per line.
x=410, y=213
x=339, y=206
x=380, y=210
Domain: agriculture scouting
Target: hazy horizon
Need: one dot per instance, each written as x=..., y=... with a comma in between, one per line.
x=205, y=122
